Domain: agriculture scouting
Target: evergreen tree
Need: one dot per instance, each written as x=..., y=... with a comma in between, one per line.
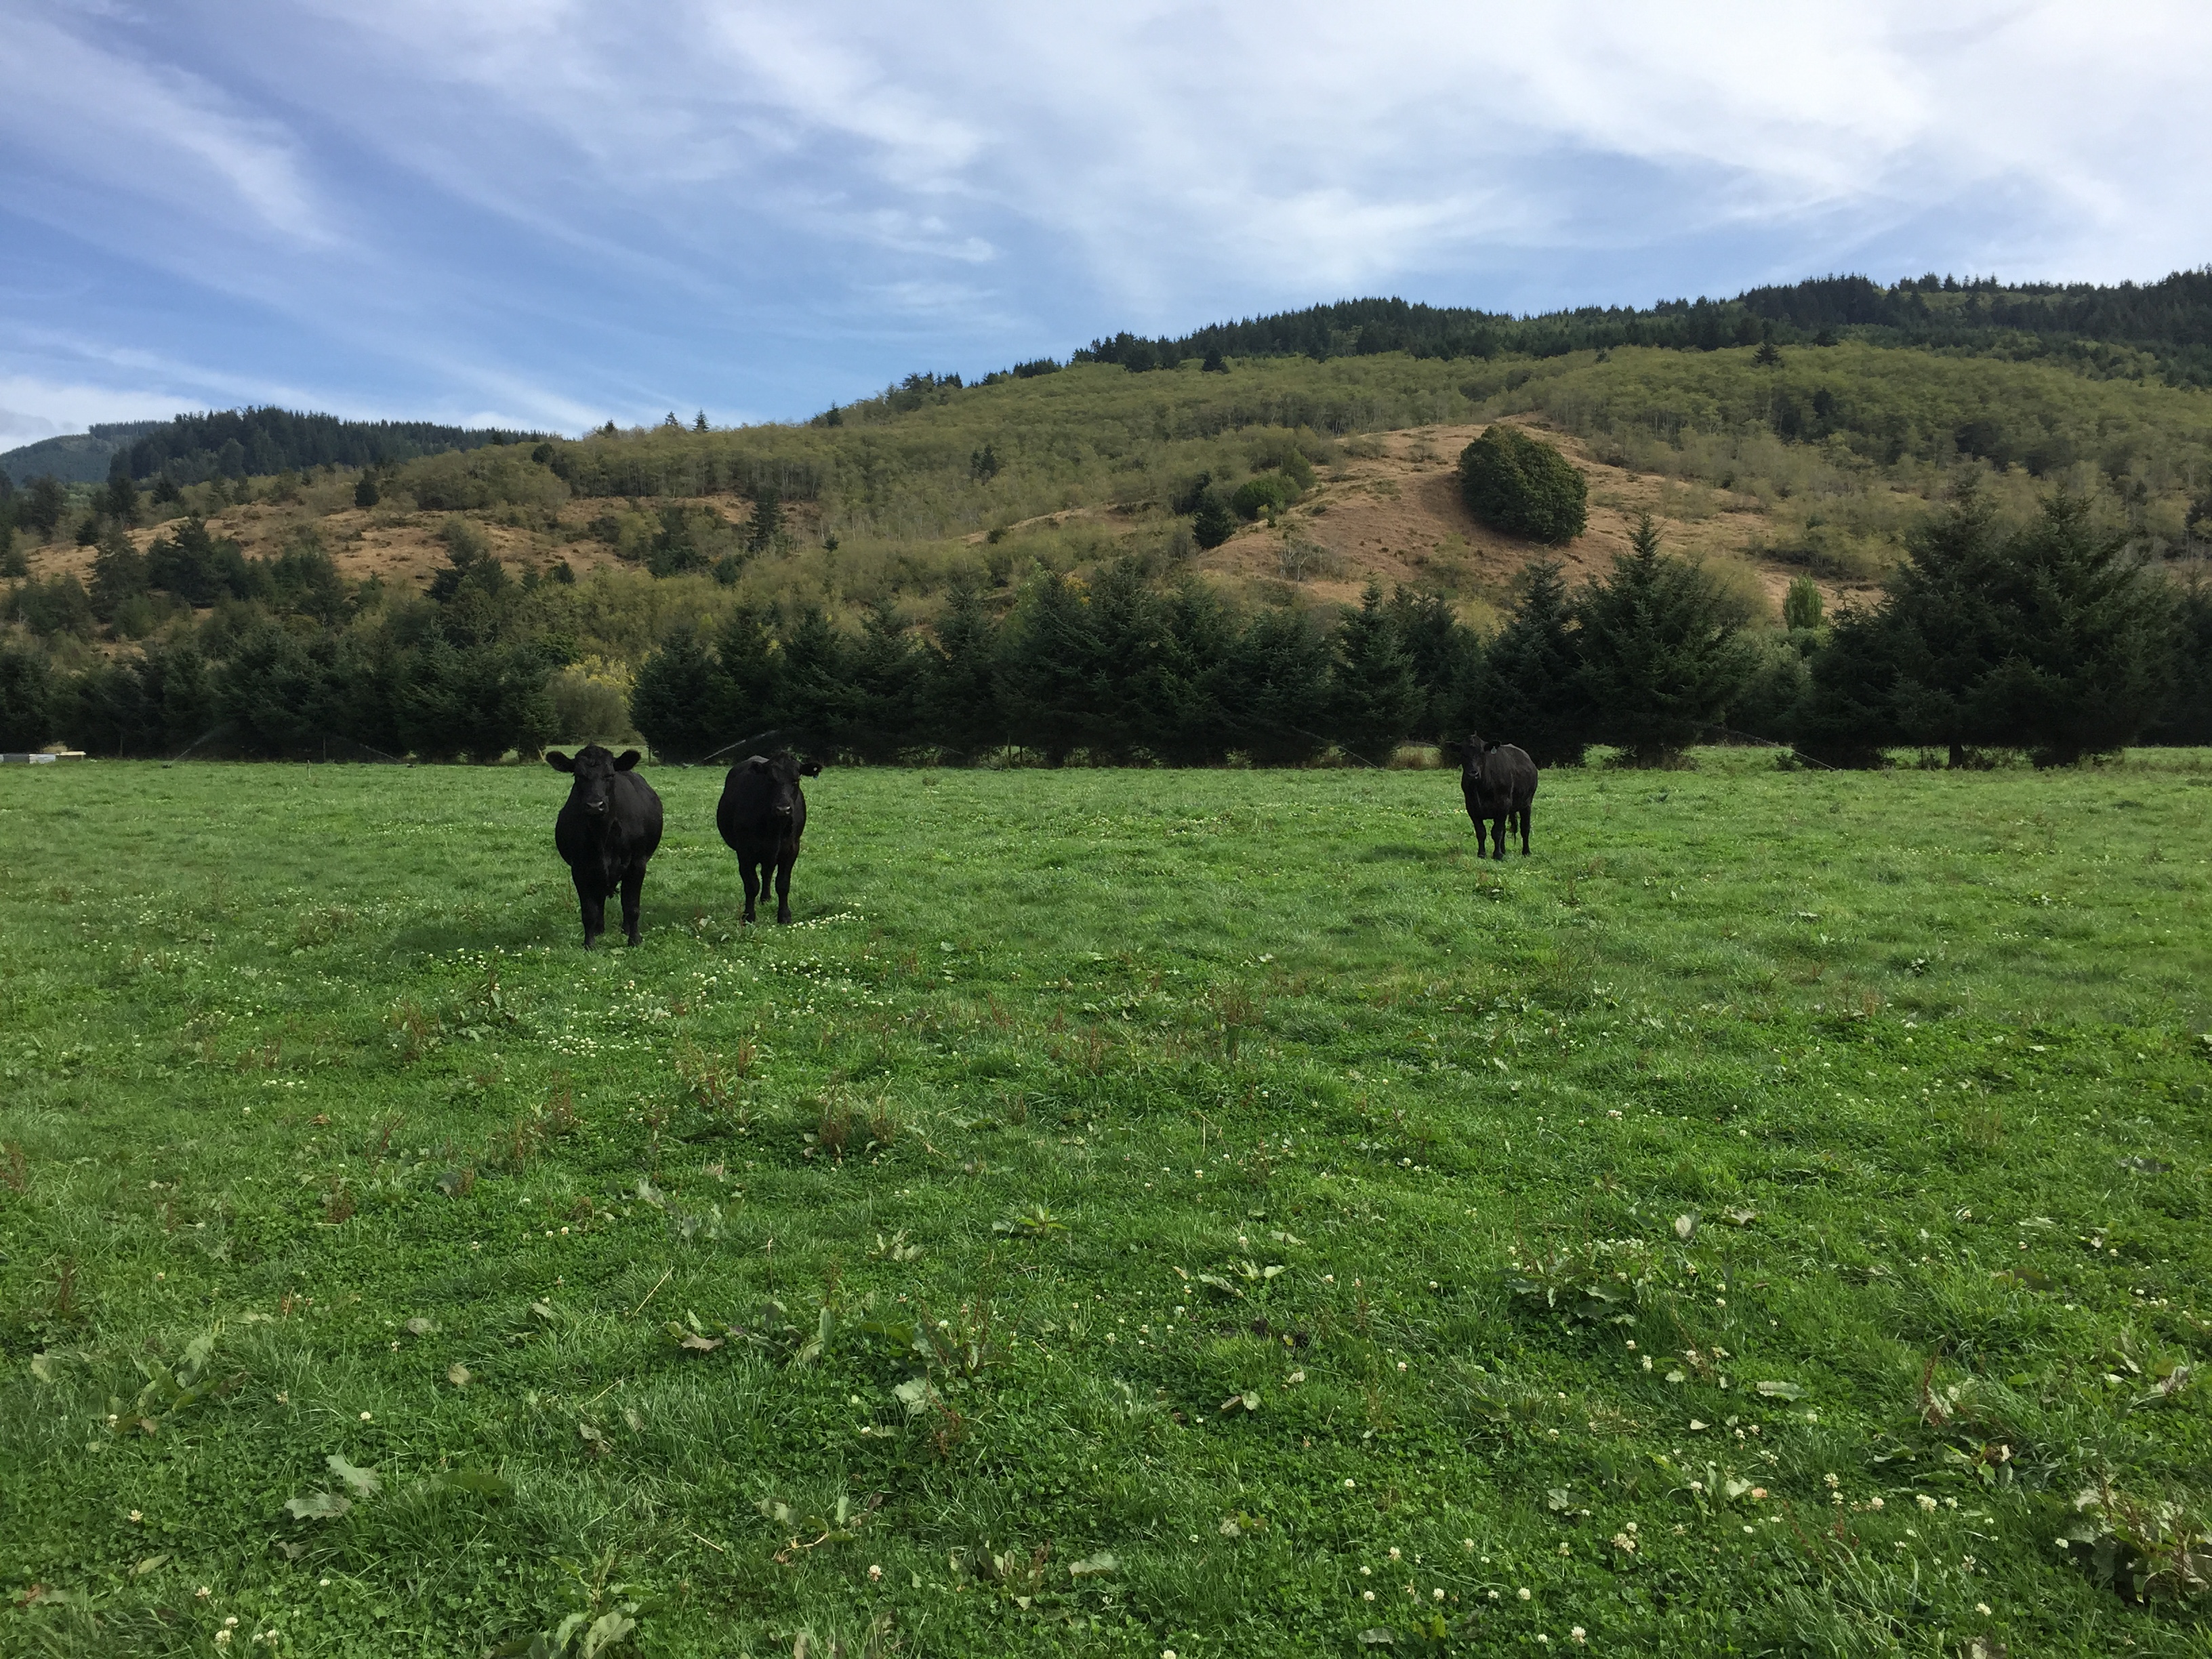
x=817, y=706
x=745, y=699
x=960, y=687
x=1126, y=634
x=1053, y=677
x=1442, y=653
x=2187, y=718
x=1527, y=687
x=43, y=506
x=1197, y=714
x=886, y=671
x=119, y=501
x=1277, y=691
x=1214, y=521
x=2050, y=640
x=192, y=563
x=27, y=694
x=118, y=572
x=1662, y=654
x=1374, y=699
x=271, y=693
x=767, y=521
x=676, y=697
x=365, y=492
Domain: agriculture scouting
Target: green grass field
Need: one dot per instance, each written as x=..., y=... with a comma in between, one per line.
x=1131, y=1210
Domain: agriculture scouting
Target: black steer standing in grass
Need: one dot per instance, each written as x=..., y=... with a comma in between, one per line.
x=762, y=815
x=1498, y=781
x=608, y=828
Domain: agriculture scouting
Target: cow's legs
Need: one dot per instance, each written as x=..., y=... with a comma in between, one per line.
x=783, y=890
x=593, y=904
x=1482, y=839
x=1524, y=829
x=749, y=874
x=633, y=891
x=1498, y=838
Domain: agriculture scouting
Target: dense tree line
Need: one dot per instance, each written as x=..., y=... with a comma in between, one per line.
x=2045, y=637
x=290, y=660
x=239, y=443
x=2172, y=318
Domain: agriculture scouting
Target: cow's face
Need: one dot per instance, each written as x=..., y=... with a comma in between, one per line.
x=593, y=769
x=1475, y=755
x=782, y=772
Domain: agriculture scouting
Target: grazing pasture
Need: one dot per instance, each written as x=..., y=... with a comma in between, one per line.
x=1126, y=1212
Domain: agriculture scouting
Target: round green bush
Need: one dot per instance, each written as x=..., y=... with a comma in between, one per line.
x=1261, y=491
x=1523, y=486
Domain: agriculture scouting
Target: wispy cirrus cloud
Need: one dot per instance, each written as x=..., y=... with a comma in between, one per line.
x=569, y=209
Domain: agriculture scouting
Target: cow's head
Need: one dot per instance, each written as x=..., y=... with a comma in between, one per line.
x=593, y=769
x=782, y=772
x=1474, y=754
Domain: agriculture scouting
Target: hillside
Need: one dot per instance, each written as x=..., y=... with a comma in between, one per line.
x=872, y=539
x=1815, y=466
x=239, y=443
x=2125, y=330
x=75, y=457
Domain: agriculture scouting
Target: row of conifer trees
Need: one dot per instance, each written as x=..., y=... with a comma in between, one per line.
x=2045, y=638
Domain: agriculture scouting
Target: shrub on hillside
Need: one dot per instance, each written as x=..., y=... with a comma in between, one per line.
x=1214, y=522
x=1263, y=492
x=58, y=604
x=1523, y=486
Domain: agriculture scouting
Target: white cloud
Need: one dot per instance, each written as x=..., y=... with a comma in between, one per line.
x=31, y=409
x=553, y=205
x=120, y=125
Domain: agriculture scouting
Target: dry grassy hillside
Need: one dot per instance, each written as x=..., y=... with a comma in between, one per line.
x=1387, y=510
x=1391, y=513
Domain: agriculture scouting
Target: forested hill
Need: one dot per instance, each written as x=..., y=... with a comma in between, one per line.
x=2161, y=329
x=239, y=443
x=75, y=457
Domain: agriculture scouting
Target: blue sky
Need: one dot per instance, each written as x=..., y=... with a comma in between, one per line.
x=551, y=213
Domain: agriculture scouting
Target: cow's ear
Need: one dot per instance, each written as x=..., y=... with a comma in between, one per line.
x=627, y=758
x=757, y=763
x=810, y=770
x=559, y=762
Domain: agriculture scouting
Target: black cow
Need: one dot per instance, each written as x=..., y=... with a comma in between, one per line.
x=608, y=828
x=762, y=815
x=1498, y=781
